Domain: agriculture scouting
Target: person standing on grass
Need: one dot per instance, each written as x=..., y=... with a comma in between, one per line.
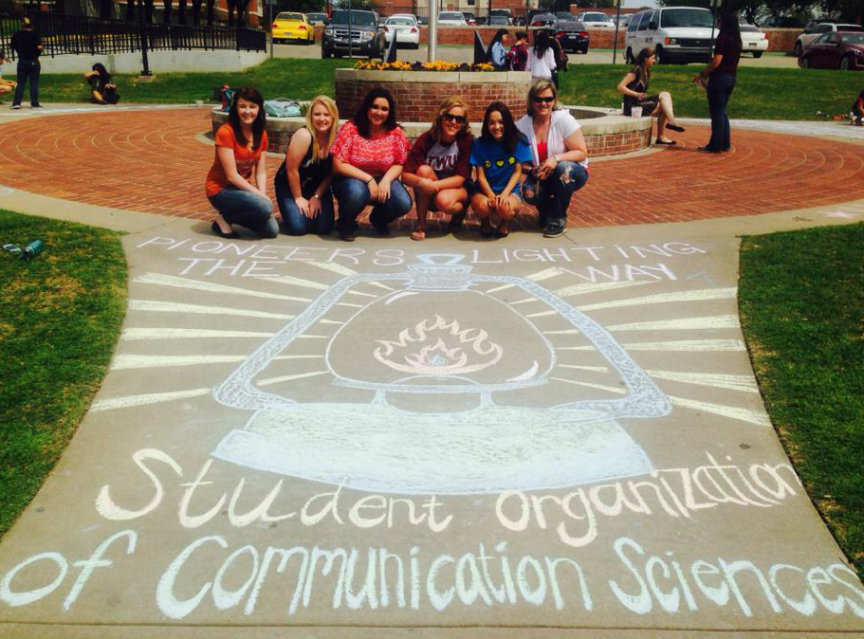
x=541, y=57
x=303, y=181
x=28, y=46
x=719, y=80
x=237, y=182
x=437, y=167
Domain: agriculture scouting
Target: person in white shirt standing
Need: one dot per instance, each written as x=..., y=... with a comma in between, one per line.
x=541, y=57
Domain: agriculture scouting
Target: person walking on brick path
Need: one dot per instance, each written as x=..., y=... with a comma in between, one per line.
x=368, y=155
x=302, y=183
x=634, y=86
x=102, y=90
x=719, y=80
x=517, y=57
x=497, y=51
x=541, y=57
x=27, y=45
x=6, y=86
x=237, y=182
x=438, y=169
x=559, y=157
x=498, y=154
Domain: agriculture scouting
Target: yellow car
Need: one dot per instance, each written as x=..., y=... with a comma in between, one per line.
x=292, y=26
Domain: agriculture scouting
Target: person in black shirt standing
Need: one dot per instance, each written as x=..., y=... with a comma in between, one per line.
x=720, y=77
x=28, y=46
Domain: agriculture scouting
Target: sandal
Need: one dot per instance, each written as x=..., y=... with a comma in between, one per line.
x=418, y=235
x=665, y=142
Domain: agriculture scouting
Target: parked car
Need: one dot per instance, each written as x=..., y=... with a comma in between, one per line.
x=469, y=18
x=366, y=38
x=519, y=21
x=781, y=22
x=500, y=12
x=842, y=50
x=452, y=19
x=813, y=31
x=677, y=34
x=290, y=26
x=753, y=40
x=423, y=21
x=542, y=20
x=595, y=20
x=564, y=15
x=623, y=21
x=498, y=21
x=572, y=35
x=316, y=18
x=406, y=28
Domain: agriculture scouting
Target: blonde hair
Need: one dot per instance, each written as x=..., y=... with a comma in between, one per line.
x=333, y=110
x=438, y=126
x=536, y=89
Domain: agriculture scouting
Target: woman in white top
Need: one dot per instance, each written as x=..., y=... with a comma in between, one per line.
x=541, y=57
x=559, y=164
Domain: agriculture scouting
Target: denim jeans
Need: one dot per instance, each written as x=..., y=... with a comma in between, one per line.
x=294, y=222
x=353, y=195
x=28, y=70
x=552, y=195
x=720, y=87
x=251, y=210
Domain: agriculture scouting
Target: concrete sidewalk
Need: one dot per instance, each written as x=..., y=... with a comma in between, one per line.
x=453, y=438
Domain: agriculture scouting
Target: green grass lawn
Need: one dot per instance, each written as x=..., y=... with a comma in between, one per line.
x=802, y=311
x=795, y=94
x=60, y=315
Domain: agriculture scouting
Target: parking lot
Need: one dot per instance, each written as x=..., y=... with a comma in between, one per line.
x=463, y=53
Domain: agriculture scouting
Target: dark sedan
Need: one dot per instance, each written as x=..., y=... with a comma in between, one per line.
x=842, y=50
x=572, y=36
x=542, y=20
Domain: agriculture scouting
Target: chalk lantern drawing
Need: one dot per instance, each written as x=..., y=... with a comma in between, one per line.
x=443, y=343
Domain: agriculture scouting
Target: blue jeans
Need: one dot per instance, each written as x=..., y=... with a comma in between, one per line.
x=552, y=196
x=251, y=210
x=720, y=87
x=353, y=195
x=294, y=222
x=28, y=70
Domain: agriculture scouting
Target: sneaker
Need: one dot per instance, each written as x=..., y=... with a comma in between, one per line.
x=36, y=106
x=553, y=230
x=15, y=106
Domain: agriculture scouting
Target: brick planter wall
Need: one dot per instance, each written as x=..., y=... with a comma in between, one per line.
x=418, y=94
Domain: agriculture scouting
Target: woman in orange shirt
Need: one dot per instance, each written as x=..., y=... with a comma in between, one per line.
x=237, y=182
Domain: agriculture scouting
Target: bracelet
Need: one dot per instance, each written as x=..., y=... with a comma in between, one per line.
x=372, y=179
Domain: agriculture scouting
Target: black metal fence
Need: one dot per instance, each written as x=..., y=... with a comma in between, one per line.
x=62, y=35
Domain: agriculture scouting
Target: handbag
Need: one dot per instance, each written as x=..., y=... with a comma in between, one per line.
x=282, y=108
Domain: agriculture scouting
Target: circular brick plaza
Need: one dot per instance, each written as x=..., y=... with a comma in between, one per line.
x=155, y=160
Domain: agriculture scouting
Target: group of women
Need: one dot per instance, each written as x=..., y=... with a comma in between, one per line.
x=540, y=159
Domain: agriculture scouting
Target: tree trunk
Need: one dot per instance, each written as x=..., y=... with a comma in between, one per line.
x=210, y=12
x=231, y=5
x=196, y=12
x=166, y=14
x=148, y=11
x=106, y=9
x=130, y=10
x=181, y=11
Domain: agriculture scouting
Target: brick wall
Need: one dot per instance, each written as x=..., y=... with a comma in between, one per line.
x=418, y=102
x=617, y=143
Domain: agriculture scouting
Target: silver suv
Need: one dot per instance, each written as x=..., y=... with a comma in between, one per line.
x=367, y=39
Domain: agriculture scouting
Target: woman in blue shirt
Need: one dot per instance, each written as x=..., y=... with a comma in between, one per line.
x=497, y=52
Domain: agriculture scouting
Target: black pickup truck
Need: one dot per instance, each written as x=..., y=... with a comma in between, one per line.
x=367, y=39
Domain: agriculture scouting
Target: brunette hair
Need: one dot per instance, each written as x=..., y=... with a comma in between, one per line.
x=512, y=135
x=102, y=71
x=333, y=110
x=729, y=25
x=496, y=38
x=542, y=41
x=250, y=94
x=361, y=118
x=538, y=87
x=641, y=58
x=437, y=125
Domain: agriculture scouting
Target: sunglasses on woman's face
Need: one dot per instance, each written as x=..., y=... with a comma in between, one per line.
x=458, y=119
x=548, y=100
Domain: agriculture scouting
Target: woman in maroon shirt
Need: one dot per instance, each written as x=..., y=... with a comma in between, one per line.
x=438, y=168
x=368, y=156
x=720, y=78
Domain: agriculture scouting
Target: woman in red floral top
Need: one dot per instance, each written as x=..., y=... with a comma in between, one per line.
x=368, y=155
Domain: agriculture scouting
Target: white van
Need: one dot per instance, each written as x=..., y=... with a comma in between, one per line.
x=677, y=34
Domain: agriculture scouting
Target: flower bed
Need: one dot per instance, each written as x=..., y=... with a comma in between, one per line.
x=438, y=65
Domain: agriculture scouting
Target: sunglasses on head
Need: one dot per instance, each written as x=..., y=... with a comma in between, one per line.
x=458, y=119
x=548, y=100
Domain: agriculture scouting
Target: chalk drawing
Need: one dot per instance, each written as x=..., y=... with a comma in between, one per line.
x=424, y=340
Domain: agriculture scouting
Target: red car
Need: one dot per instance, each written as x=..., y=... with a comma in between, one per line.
x=834, y=50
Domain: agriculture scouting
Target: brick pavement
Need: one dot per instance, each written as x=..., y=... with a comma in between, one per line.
x=155, y=161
